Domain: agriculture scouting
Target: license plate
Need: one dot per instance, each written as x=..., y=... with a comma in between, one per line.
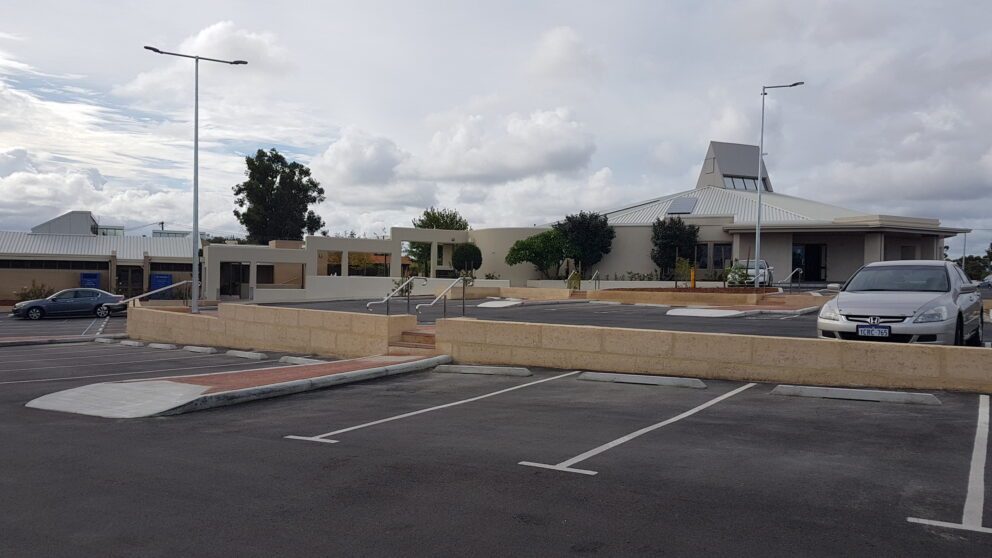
x=874, y=331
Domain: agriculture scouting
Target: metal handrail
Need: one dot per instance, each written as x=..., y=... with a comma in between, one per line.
x=569, y=278
x=788, y=278
x=156, y=291
x=595, y=280
x=392, y=294
x=463, y=280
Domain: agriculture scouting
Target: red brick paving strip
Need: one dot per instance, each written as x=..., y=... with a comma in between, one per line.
x=228, y=381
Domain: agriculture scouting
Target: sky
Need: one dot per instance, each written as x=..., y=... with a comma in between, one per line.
x=513, y=113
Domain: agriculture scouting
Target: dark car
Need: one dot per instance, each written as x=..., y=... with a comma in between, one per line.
x=70, y=302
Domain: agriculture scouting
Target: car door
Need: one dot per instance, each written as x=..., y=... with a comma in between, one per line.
x=969, y=303
x=61, y=304
x=86, y=301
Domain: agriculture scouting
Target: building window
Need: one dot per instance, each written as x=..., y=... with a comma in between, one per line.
x=170, y=266
x=440, y=255
x=722, y=255
x=81, y=265
x=743, y=183
x=702, y=256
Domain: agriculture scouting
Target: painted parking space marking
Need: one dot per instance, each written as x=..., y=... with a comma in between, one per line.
x=105, y=364
x=974, y=503
x=566, y=466
x=107, y=351
x=325, y=438
x=236, y=365
x=92, y=323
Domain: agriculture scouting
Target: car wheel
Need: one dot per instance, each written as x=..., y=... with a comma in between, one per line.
x=976, y=340
x=35, y=313
x=102, y=311
x=959, y=333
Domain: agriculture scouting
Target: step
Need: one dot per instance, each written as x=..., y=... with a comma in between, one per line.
x=417, y=337
x=578, y=294
x=411, y=344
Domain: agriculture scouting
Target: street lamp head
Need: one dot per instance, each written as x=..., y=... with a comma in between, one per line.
x=798, y=83
x=237, y=62
x=153, y=49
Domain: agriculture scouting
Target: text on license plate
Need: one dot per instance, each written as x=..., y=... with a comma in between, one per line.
x=874, y=331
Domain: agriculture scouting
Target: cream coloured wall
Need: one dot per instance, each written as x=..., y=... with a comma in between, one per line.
x=494, y=244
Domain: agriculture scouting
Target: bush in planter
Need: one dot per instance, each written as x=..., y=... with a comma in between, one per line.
x=34, y=292
x=466, y=259
x=736, y=276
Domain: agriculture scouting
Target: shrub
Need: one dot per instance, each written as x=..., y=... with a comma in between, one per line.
x=35, y=291
x=466, y=258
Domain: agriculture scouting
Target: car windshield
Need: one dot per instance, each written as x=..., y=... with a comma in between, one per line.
x=750, y=264
x=900, y=278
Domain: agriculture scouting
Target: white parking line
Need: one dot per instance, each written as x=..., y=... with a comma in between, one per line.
x=89, y=326
x=324, y=437
x=103, y=363
x=974, y=503
x=107, y=352
x=566, y=465
x=237, y=368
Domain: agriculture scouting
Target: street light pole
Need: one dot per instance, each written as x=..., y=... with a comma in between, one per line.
x=195, y=295
x=760, y=183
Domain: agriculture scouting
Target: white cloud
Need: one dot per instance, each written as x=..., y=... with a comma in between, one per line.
x=359, y=158
x=561, y=54
x=543, y=142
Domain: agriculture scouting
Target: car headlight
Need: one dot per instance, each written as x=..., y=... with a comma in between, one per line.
x=935, y=314
x=19, y=304
x=829, y=312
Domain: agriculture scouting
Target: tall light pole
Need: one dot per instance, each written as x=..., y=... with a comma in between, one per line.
x=194, y=299
x=761, y=185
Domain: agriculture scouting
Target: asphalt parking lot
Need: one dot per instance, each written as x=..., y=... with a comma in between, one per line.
x=592, y=313
x=429, y=464
x=11, y=327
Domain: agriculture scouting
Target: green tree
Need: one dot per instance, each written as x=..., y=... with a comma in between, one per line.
x=546, y=251
x=590, y=237
x=466, y=258
x=672, y=239
x=975, y=267
x=273, y=204
x=432, y=218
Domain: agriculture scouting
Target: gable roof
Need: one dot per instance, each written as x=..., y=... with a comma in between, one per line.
x=131, y=248
x=741, y=205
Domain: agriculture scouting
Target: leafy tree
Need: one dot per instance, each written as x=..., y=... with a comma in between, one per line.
x=547, y=252
x=467, y=258
x=975, y=267
x=672, y=239
x=447, y=219
x=590, y=237
x=273, y=204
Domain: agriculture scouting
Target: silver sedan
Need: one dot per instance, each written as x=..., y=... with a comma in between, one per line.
x=906, y=301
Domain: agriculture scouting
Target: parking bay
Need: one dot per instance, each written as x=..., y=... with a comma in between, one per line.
x=750, y=474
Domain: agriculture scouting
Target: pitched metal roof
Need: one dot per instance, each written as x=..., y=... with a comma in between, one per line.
x=22, y=244
x=740, y=204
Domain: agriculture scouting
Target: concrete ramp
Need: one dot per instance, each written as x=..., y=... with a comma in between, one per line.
x=183, y=394
x=120, y=399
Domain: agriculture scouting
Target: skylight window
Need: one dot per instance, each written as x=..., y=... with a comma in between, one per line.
x=741, y=183
x=682, y=206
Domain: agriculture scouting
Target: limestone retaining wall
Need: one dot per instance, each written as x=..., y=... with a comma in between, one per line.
x=242, y=326
x=717, y=356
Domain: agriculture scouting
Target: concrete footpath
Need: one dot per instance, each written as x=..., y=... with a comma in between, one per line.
x=183, y=394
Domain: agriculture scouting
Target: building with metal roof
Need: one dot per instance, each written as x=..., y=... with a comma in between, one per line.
x=826, y=242
x=72, y=250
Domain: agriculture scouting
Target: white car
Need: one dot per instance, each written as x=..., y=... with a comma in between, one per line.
x=909, y=301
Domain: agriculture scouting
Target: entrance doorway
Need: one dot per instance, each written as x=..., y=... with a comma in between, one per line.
x=234, y=279
x=130, y=280
x=812, y=259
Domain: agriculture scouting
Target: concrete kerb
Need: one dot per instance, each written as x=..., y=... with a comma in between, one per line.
x=300, y=360
x=485, y=370
x=197, y=349
x=233, y=397
x=857, y=394
x=59, y=341
x=132, y=343
x=671, y=381
x=165, y=346
x=253, y=355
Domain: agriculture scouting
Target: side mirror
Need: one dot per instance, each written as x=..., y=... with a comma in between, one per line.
x=771, y=269
x=833, y=287
x=967, y=289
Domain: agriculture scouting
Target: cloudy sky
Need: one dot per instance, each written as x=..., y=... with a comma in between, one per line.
x=514, y=113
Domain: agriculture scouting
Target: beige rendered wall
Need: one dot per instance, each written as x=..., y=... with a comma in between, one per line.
x=243, y=326
x=717, y=356
x=494, y=244
x=13, y=280
x=776, y=249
